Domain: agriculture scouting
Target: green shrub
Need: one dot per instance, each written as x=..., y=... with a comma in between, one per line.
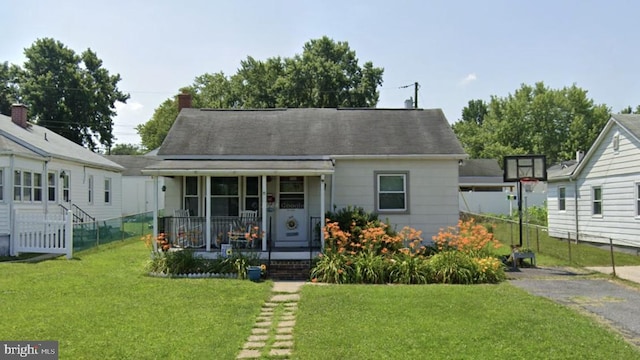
x=354, y=219
x=453, y=267
x=407, y=269
x=331, y=267
x=369, y=268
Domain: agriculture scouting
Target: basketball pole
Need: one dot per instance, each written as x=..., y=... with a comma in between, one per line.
x=520, y=210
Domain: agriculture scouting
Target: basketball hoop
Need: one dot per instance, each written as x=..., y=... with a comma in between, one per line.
x=528, y=183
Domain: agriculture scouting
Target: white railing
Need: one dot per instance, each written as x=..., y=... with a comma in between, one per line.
x=40, y=233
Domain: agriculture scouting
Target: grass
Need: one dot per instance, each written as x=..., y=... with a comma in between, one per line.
x=445, y=322
x=101, y=305
x=554, y=252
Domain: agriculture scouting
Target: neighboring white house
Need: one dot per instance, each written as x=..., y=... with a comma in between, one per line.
x=290, y=166
x=607, y=183
x=42, y=172
x=138, y=190
x=483, y=190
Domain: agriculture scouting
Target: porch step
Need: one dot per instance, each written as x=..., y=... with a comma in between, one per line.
x=289, y=270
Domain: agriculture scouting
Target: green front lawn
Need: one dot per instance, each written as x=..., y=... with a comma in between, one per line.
x=101, y=305
x=445, y=322
x=554, y=252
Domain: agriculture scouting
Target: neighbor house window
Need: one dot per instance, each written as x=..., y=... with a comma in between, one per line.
x=191, y=195
x=51, y=186
x=17, y=185
x=66, y=187
x=562, y=198
x=27, y=185
x=90, y=189
x=225, y=197
x=391, y=192
x=107, y=191
x=616, y=142
x=37, y=187
x=597, y=200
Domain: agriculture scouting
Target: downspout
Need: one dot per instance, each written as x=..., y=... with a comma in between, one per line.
x=575, y=196
x=44, y=183
x=12, y=220
x=322, y=211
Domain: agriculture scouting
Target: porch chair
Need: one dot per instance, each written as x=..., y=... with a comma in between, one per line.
x=181, y=224
x=237, y=231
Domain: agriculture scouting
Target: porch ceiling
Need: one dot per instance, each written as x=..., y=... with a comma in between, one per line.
x=240, y=167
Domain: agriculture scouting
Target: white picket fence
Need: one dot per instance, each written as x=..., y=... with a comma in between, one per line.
x=40, y=233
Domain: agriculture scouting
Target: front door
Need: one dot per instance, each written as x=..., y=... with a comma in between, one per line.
x=291, y=215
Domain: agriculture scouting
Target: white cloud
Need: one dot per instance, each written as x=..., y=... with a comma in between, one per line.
x=131, y=106
x=468, y=79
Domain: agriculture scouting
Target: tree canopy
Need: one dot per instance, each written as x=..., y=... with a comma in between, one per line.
x=70, y=94
x=532, y=120
x=126, y=149
x=326, y=74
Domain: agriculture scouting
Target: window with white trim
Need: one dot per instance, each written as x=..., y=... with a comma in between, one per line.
x=66, y=186
x=225, y=196
x=17, y=185
x=107, y=190
x=90, y=189
x=191, y=198
x=37, y=187
x=596, y=196
x=252, y=193
x=392, y=192
x=562, y=197
x=27, y=185
x=51, y=186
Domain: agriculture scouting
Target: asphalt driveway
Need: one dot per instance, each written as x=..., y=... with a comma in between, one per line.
x=615, y=304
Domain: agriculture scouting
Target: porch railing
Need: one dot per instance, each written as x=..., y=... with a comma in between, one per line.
x=189, y=231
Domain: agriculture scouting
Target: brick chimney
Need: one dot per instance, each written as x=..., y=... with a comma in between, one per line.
x=19, y=115
x=184, y=101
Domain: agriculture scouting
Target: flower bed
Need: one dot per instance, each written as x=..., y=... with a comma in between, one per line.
x=372, y=253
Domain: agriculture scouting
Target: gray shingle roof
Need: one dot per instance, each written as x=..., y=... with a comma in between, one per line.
x=132, y=164
x=630, y=121
x=480, y=167
x=310, y=132
x=45, y=142
x=561, y=170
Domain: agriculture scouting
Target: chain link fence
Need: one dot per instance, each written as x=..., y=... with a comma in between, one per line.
x=582, y=250
x=91, y=234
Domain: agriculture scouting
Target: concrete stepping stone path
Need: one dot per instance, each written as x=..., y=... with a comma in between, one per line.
x=272, y=333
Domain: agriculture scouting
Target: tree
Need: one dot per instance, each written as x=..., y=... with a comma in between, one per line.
x=70, y=94
x=126, y=149
x=532, y=120
x=326, y=74
x=8, y=87
x=630, y=110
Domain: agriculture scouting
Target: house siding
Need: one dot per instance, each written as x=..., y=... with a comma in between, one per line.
x=561, y=223
x=135, y=190
x=433, y=188
x=616, y=172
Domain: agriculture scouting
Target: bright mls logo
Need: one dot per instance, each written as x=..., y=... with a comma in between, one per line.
x=45, y=350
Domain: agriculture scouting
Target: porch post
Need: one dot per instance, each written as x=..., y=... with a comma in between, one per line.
x=207, y=218
x=155, y=213
x=263, y=201
x=322, y=211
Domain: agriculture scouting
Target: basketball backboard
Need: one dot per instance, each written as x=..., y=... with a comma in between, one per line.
x=517, y=167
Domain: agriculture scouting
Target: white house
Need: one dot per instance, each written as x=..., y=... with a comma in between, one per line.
x=607, y=184
x=138, y=190
x=289, y=166
x=42, y=172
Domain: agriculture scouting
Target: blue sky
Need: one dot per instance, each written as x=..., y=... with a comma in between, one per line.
x=456, y=50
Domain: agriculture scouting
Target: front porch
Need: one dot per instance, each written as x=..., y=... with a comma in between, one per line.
x=238, y=234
